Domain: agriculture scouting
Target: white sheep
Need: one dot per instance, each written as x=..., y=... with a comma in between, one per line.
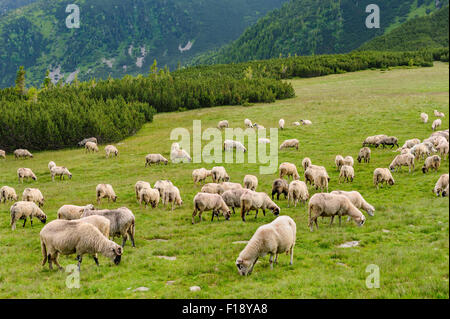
x=305, y=122
x=219, y=174
x=275, y=238
x=348, y=160
x=105, y=190
x=25, y=173
x=210, y=202
x=328, y=205
x=230, y=145
x=314, y=170
x=424, y=117
x=438, y=114
x=149, y=196
x=321, y=180
x=200, y=175
x=357, y=200
x=229, y=185
x=373, y=140
x=441, y=184
x=445, y=192
x=296, y=123
x=155, y=159
x=172, y=196
x=258, y=127
x=122, y=222
x=248, y=123
x=364, y=153
x=257, y=200
x=382, y=175
x=262, y=140
x=23, y=210
x=75, y=237
x=33, y=195
x=222, y=124
x=289, y=170
x=232, y=197
x=91, y=147
x=297, y=191
x=347, y=173
x=180, y=155
x=2, y=154
x=436, y=124
x=60, y=171
x=402, y=160
x=432, y=162
x=281, y=124
x=339, y=162
x=410, y=143
x=72, y=212
x=140, y=185
x=161, y=185
x=212, y=188
x=22, y=153
x=90, y=139
x=306, y=163
x=443, y=149
x=250, y=182
x=50, y=165
x=7, y=193
x=111, y=150
x=292, y=143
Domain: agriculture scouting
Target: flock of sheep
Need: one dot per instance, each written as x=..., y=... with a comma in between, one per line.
x=86, y=230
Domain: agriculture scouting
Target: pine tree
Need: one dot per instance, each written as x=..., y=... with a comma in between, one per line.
x=20, y=81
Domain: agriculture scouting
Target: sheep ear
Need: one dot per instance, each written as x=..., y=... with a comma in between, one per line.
x=118, y=250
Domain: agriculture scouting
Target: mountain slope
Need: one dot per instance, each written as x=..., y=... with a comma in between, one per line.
x=8, y=5
x=307, y=27
x=430, y=31
x=118, y=37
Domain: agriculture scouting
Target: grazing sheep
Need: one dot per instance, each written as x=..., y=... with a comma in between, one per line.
x=155, y=159
x=328, y=205
x=33, y=195
x=206, y=202
x=339, y=161
x=75, y=237
x=443, y=149
x=347, y=173
x=254, y=201
x=219, y=174
x=140, y=185
x=212, y=188
x=357, y=200
x=23, y=210
x=2, y=154
x=7, y=193
x=389, y=140
x=441, y=185
x=258, y=127
x=364, y=153
x=228, y=185
x=230, y=145
x=305, y=122
x=232, y=197
x=382, y=175
x=250, y=182
x=222, y=124
x=248, y=123
x=91, y=147
x=420, y=151
x=438, y=114
x=263, y=140
x=149, y=196
x=348, y=160
x=441, y=133
x=177, y=156
x=424, y=117
x=71, y=212
x=280, y=186
x=105, y=190
x=436, y=124
x=60, y=171
x=22, y=153
x=161, y=185
x=321, y=180
x=306, y=163
x=402, y=160
x=297, y=191
x=111, y=150
x=172, y=196
x=275, y=238
x=410, y=143
x=200, y=175
x=296, y=123
x=432, y=162
x=373, y=140
x=312, y=171
x=445, y=192
x=122, y=222
x=281, y=124
x=25, y=173
x=90, y=139
x=50, y=165
x=290, y=144
x=289, y=170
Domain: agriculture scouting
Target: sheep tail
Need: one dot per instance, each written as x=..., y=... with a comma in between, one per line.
x=44, y=253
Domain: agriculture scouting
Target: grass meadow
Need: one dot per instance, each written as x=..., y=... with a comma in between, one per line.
x=408, y=238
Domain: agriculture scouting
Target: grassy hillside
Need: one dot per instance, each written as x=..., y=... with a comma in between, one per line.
x=408, y=238
x=306, y=27
x=118, y=37
x=8, y=5
x=430, y=31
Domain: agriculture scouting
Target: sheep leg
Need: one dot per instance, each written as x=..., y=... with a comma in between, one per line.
x=332, y=219
x=212, y=215
x=124, y=240
x=256, y=215
x=24, y=222
x=276, y=258
x=271, y=261
x=317, y=225
x=96, y=260
x=80, y=259
x=233, y=210
x=130, y=233
x=340, y=218
x=264, y=212
x=193, y=215
x=50, y=265
x=31, y=221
